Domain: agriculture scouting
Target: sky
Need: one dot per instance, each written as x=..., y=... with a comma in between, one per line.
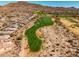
x=50, y=3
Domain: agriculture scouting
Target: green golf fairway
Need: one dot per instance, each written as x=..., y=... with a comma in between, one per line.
x=33, y=41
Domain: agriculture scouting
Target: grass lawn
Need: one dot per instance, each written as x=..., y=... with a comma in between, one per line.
x=33, y=41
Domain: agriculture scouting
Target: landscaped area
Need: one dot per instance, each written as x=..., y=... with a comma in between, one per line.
x=33, y=41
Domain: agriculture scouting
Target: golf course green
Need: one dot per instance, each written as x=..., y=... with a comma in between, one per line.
x=33, y=41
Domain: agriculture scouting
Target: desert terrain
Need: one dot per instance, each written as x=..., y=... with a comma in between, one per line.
x=18, y=21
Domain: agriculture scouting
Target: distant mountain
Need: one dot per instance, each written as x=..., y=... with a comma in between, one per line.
x=23, y=6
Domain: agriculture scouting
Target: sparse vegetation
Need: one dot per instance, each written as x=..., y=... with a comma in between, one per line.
x=39, y=13
x=19, y=38
x=71, y=19
x=77, y=25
